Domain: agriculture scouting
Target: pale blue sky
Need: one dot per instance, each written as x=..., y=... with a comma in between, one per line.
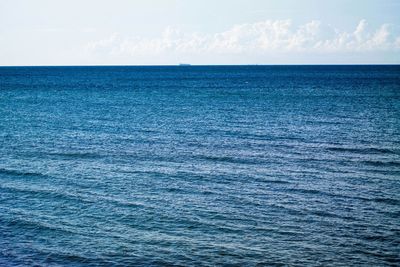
x=86, y=32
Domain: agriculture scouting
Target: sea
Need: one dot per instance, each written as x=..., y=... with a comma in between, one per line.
x=200, y=165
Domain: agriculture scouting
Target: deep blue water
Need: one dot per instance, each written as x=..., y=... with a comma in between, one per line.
x=243, y=165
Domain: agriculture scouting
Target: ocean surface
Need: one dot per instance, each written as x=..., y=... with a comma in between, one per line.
x=200, y=166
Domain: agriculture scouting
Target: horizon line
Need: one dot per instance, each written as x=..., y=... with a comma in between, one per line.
x=206, y=65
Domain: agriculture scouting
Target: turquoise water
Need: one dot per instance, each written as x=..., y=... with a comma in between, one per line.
x=201, y=166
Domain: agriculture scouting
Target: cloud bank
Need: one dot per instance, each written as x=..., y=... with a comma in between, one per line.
x=263, y=38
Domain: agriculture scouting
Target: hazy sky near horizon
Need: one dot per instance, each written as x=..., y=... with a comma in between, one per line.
x=158, y=32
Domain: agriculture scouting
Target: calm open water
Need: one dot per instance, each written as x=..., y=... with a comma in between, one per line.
x=244, y=165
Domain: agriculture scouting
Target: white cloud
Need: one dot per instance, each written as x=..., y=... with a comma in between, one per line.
x=261, y=38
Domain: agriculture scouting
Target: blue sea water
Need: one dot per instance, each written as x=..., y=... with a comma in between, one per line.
x=200, y=166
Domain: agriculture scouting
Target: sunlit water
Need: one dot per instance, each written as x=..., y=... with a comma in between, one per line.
x=155, y=166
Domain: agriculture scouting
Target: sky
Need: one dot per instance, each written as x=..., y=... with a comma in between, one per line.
x=207, y=32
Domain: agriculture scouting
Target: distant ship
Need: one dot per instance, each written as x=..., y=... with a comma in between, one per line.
x=184, y=64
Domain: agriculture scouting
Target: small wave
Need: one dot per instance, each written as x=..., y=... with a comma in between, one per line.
x=229, y=159
x=368, y=150
x=271, y=181
x=80, y=155
x=47, y=193
x=39, y=226
x=319, y=192
x=389, y=201
x=306, y=191
x=377, y=163
x=126, y=203
x=21, y=173
x=384, y=200
x=69, y=258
